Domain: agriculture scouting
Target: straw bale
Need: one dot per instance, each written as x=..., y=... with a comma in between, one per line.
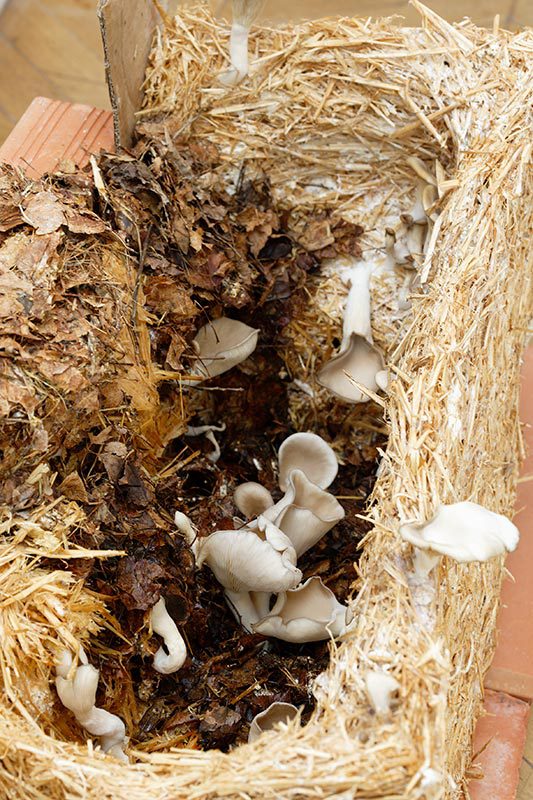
x=342, y=103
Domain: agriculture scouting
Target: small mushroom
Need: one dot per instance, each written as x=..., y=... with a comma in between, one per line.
x=269, y=718
x=252, y=499
x=358, y=358
x=464, y=531
x=306, y=512
x=76, y=687
x=309, y=453
x=164, y=625
x=209, y=432
x=310, y=613
x=380, y=688
x=243, y=561
x=221, y=345
x=244, y=13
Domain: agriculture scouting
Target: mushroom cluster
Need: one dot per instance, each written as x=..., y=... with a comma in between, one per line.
x=258, y=559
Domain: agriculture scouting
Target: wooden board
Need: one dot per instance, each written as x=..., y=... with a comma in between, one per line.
x=127, y=31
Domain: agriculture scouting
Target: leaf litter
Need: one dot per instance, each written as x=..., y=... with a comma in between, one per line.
x=103, y=285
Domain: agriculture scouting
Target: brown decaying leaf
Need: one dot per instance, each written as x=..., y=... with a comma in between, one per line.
x=44, y=212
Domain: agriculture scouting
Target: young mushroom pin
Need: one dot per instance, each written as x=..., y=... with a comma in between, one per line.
x=358, y=357
x=463, y=531
x=76, y=687
x=221, y=345
x=310, y=613
x=164, y=625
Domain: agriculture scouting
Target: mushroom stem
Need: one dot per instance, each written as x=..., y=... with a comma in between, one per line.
x=248, y=607
x=424, y=562
x=357, y=312
x=244, y=13
x=164, y=625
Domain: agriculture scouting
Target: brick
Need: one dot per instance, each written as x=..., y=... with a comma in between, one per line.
x=51, y=130
x=512, y=667
x=502, y=732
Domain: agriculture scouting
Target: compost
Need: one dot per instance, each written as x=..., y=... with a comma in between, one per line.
x=111, y=273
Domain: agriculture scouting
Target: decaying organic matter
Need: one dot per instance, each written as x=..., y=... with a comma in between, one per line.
x=144, y=305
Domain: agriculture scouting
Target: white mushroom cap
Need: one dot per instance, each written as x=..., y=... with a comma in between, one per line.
x=164, y=625
x=380, y=687
x=270, y=717
x=310, y=613
x=306, y=513
x=252, y=499
x=464, y=531
x=242, y=561
x=312, y=455
x=221, y=345
x=361, y=361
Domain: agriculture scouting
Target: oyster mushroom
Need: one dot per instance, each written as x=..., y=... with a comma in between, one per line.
x=312, y=455
x=464, y=531
x=269, y=718
x=250, y=561
x=310, y=613
x=76, y=688
x=358, y=357
x=380, y=688
x=221, y=345
x=244, y=13
x=252, y=499
x=164, y=625
x=306, y=512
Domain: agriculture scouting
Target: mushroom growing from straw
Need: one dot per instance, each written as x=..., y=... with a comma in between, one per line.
x=309, y=613
x=463, y=531
x=358, y=358
x=244, y=14
x=76, y=687
x=380, y=688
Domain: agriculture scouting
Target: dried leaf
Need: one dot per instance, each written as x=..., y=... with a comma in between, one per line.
x=73, y=488
x=44, y=212
x=139, y=581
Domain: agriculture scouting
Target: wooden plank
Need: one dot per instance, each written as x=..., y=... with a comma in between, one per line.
x=127, y=30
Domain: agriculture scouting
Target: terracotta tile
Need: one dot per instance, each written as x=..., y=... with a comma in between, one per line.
x=512, y=668
x=502, y=732
x=51, y=130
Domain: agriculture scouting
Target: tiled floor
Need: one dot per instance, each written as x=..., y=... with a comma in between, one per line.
x=52, y=48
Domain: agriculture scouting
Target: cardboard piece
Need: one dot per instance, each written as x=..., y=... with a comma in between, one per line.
x=127, y=28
